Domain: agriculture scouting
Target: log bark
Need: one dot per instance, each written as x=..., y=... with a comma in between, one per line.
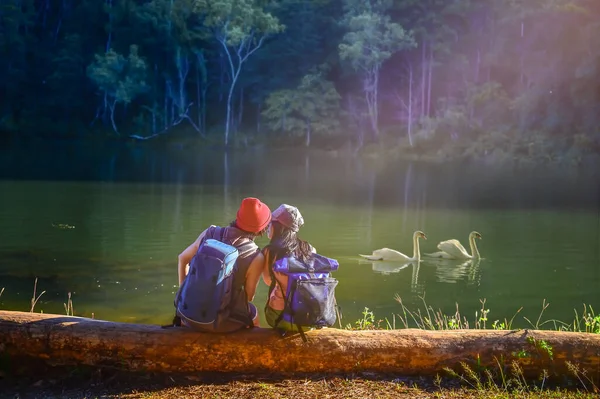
x=64, y=340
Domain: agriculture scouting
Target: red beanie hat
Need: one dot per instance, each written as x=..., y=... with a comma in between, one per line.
x=253, y=216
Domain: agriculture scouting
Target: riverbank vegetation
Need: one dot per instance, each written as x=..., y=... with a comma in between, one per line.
x=428, y=79
x=427, y=318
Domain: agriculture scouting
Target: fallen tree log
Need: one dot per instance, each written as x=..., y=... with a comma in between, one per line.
x=64, y=340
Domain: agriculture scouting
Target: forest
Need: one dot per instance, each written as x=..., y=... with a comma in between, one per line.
x=449, y=78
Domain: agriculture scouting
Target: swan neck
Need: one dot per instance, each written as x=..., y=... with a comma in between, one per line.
x=474, y=249
x=416, y=251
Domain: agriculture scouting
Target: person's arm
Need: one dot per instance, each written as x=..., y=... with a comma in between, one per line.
x=253, y=275
x=186, y=256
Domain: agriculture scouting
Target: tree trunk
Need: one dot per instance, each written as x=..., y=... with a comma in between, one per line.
x=357, y=118
x=429, y=73
x=521, y=58
x=201, y=89
x=370, y=86
x=258, y=114
x=245, y=48
x=112, y=107
x=234, y=73
x=109, y=37
x=166, y=105
x=45, y=10
x=307, y=138
x=198, y=101
x=222, y=73
x=154, y=110
x=228, y=119
x=105, y=108
x=182, y=63
x=240, y=108
x=64, y=340
x=423, y=76
x=376, y=101
x=410, y=102
x=477, y=66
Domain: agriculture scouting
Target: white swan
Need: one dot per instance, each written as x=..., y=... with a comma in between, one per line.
x=453, y=249
x=391, y=254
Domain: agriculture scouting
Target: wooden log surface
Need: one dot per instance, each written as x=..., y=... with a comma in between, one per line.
x=63, y=340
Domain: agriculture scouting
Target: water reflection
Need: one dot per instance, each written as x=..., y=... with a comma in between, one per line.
x=335, y=178
x=388, y=267
x=452, y=271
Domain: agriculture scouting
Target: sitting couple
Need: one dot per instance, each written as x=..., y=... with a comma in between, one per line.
x=255, y=219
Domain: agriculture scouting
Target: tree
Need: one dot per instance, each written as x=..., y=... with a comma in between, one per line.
x=16, y=37
x=371, y=39
x=177, y=36
x=120, y=79
x=240, y=27
x=313, y=107
x=309, y=39
x=68, y=77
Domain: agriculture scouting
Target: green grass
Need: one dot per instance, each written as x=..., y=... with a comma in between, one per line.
x=428, y=318
x=500, y=381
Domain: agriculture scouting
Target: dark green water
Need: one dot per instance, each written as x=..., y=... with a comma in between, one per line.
x=135, y=210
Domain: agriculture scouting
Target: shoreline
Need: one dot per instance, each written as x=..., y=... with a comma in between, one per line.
x=496, y=157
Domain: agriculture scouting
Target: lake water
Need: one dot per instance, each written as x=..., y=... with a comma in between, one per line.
x=134, y=210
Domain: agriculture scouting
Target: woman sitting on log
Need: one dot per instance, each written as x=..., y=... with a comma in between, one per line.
x=301, y=290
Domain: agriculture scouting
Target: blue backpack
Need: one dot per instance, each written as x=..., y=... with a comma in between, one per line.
x=310, y=295
x=206, y=298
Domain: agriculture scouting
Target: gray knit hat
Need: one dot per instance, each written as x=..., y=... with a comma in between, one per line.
x=289, y=216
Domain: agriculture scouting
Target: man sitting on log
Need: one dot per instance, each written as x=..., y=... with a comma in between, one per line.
x=219, y=273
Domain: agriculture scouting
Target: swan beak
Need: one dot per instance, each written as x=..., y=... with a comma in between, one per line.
x=424, y=236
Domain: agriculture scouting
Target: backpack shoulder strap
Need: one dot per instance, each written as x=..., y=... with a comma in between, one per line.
x=270, y=258
x=211, y=232
x=217, y=233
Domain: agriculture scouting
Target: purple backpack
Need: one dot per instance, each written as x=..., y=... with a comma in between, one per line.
x=206, y=298
x=310, y=295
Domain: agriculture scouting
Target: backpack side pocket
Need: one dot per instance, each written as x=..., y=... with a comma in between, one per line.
x=312, y=302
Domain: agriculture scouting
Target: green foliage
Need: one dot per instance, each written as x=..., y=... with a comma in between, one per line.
x=311, y=107
x=68, y=64
x=368, y=322
x=121, y=78
x=485, y=77
x=489, y=102
x=588, y=322
x=305, y=42
x=237, y=21
x=372, y=39
x=542, y=346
